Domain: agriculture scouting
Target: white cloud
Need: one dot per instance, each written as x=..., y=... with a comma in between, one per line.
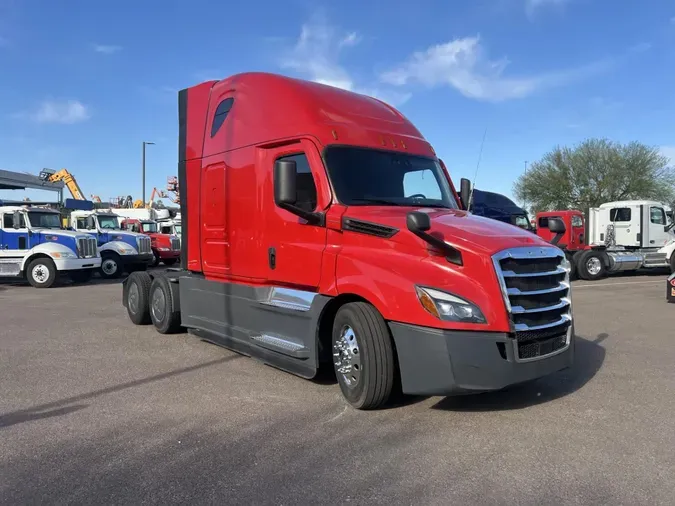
x=316, y=56
x=106, y=49
x=64, y=112
x=463, y=65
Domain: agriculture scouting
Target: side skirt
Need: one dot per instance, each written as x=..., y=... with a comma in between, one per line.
x=277, y=326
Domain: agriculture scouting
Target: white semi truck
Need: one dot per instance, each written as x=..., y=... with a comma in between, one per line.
x=34, y=246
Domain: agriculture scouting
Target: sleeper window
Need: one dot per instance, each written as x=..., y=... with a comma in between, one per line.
x=222, y=111
x=305, y=187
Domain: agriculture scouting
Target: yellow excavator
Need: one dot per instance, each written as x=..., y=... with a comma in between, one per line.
x=65, y=176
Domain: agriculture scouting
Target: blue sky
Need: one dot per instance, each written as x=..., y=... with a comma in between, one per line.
x=84, y=83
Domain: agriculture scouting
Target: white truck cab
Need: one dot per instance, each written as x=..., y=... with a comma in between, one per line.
x=120, y=250
x=34, y=245
x=634, y=234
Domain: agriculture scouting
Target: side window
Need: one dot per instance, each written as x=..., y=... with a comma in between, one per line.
x=543, y=222
x=222, y=111
x=81, y=223
x=8, y=221
x=620, y=214
x=421, y=182
x=577, y=221
x=657, y=216
x=305, y=186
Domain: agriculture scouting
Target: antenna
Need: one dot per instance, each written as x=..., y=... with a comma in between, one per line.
x=475, y=176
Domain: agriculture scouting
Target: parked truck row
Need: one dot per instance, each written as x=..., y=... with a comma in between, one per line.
x=37, y=246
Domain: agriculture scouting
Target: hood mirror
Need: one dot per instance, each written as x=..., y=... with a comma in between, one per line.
x=16, y=220
x=419, y=223
x=465, y=192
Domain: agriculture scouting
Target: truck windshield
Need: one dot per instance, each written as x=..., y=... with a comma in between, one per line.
x=108, y=222
x=44, y=220
x=366, y=177
x=150, y=228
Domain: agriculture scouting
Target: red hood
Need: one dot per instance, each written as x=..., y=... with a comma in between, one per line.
x=458, y=228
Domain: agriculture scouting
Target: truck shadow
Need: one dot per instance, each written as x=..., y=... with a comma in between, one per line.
x=588, y=359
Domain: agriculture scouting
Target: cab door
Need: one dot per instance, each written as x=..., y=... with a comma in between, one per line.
x=657, y=236
x=627, y=225
x=14, y=241
x=294, y=247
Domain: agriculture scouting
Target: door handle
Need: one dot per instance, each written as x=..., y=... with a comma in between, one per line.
x=272, y=258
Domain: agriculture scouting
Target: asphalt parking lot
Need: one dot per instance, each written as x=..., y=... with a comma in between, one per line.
x=94, y=410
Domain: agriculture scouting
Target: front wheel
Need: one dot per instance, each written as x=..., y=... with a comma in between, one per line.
x=672, y=262
x=41, y=273
x=111, y=266
x=155, y=259
x=170, y=261
x=363, y=356
x=591, y=265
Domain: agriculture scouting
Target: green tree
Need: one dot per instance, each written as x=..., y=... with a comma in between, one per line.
x=594, y=172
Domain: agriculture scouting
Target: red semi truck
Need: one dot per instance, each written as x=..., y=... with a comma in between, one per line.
x=319, y=227
x=165, y=247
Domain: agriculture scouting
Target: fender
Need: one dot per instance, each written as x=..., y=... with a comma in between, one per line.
x=53, y=250
x=119, y=247
x=371, y=273
x=668, y=249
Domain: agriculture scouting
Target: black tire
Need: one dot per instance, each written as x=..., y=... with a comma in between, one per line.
x=163, y=312
x=672, y=262
x=170, y=261
x=82, y=276
x=41, y=273
x=591, y=265
x=573, y=267
x=136, y=296
x=155, y=259
x=111, y=265
x=369, y=380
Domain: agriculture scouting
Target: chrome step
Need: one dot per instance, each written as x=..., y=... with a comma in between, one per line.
x=281, y=345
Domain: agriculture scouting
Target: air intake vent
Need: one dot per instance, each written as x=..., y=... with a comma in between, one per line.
x=365, y=227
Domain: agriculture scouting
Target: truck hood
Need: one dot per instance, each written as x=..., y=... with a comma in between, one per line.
x=460, y=229
x=58, y=232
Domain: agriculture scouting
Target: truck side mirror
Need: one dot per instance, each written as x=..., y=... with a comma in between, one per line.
x=556, y=225
x=465, y=192
x=16, y=220
x=417, y=221
x=90, y=225
x=286, y=196
x=285, y=175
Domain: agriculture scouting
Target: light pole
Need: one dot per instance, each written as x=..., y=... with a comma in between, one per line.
x=145, y=143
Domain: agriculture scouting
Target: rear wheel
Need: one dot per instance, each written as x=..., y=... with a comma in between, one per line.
x=136, y=297
x=163, y=312
x=170, y=261
x=363, y=355
x=41, y=273
x=111, y=265
x=591, y=265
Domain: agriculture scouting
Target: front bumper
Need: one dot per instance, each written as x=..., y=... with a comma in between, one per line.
x=76, y=264
x=167, y=254
x=446, y=362
x=144, y=258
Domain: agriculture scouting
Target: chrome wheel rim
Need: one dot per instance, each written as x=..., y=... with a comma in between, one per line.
x=593, y=266
x=134, y=295
x=158, y=305
x=347, y=357
x=40, y=273
x=109, y=266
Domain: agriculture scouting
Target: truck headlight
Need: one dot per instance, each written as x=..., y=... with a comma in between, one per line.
x=65, y=254
x=124, y=251
x=163, y=249
x=448, y=307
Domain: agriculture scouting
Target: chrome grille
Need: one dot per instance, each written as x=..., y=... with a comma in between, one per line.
x=143, y=243
x=175, y=244
x=536, y=289
x=87, y=247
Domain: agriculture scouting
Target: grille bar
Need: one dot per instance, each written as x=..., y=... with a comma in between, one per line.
x=87, y=247
x=536, y=290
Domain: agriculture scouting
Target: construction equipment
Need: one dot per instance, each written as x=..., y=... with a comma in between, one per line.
x=52, y=176
x=172, y=187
